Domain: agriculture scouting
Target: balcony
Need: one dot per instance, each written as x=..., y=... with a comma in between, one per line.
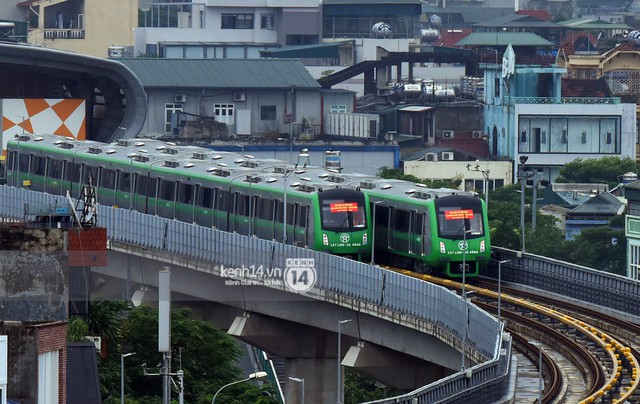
x=560, y=100
x=64, y=33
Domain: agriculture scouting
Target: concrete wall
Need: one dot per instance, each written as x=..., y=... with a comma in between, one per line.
x=34, y=284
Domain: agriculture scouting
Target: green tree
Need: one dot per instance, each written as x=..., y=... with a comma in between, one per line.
x=77, y=329
x=605, y=170
x=208, y=356
x=601, y=248
x=358, y=389
x=397, y=174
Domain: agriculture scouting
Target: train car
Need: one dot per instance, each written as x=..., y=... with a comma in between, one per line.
x=440, y=231
x=227, y=191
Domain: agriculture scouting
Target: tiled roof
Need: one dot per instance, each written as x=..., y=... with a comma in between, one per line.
x=221, y=73
x=585, y=88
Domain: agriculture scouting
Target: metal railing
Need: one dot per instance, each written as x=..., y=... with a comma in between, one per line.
x=560, y=100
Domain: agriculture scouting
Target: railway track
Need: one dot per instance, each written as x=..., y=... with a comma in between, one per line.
x=595, y=344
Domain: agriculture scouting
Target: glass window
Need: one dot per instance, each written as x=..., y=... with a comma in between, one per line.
x=242, y=207
x=169, y=111
x=185, y=193
x=174, y=52
x=205, y=197
x=167, y=190
x=23, y=163
x=235, y=52
x=223, y=201
x=72, y=172
x=338, y=109
x=268, y=113
x=38, y=165
x=342, y=214
x=452, y=220
x=90, y=175
x=268, y=21
x=55, y=169
x=266, y=209
x=108, y=179
x=402, y=222
x=194, y=52
x=237, y=21
x=224, y=113
x=124, y=183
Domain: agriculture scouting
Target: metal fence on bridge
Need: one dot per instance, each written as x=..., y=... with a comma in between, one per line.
x=353, y=284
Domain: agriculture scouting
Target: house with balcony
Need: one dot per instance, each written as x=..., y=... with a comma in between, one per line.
x=89, y=27
x=531, y=110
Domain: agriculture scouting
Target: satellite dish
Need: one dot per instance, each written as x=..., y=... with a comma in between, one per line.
x=634, y=37
x=435, y=20
x=381, y=30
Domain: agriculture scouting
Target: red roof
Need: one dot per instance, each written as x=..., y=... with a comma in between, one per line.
x=539, y=14
x=450, y=37
x=585, y=88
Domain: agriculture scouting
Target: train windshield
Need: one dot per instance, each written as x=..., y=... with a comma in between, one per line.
x=340, y=214
x=454, y=218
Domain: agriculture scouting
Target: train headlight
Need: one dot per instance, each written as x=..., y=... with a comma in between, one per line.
x=325, y=239
x=364, y=239
x=482, y=246
x=442, y=249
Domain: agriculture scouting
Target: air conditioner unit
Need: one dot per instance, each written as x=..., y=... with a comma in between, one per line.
x=431, y=157
x=239, y=96
x=447, y=134
x=477, y=134
x=447, y=155
x=180, y=98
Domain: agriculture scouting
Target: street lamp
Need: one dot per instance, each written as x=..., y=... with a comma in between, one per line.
x=252, y=376
x=540, y=380
x=485, y=176
x=122, y=356
x=301, y=381
x=339, y=361
x=499, y=281
x=373, y=230
x=284, y=204
x=523, y=180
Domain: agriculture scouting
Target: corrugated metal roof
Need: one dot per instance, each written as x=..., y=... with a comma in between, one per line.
x=592, y=23
x=504, y=39
x=221, y=73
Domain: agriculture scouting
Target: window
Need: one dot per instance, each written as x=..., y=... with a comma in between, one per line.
x=48, y=377
x=268, y=113
x=223, y=113
x=124, y=184
x=237, y=21
x=108, y=179
x=266, y=209
x=185, y=193
x=302, y=39
x=90, y=176
x=72, y=172
x=55, y=169
x=205, y=198
x=169, y=110
x=268, y=21
x=38, y=165
x=338, y=109
x=496, y=84
x=167, y=190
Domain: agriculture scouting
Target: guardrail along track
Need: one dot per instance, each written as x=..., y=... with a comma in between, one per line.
x=609, y=367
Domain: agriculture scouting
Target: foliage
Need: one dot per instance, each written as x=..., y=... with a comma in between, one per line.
x=106, y=320
x=606, y=170
x=396, y=174
x=208, y=357
x=77, y=329
x=358, y=389
x=602, y=248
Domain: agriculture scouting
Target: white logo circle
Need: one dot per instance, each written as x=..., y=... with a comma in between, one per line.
x=463, y=245
x=344, y=237
x=300, y=279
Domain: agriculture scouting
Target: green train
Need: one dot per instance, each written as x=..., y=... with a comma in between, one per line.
x=227, y=191
x=435, y=231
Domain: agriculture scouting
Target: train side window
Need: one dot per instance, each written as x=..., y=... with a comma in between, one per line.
x=11, y=156
x=55, y=169
x=206, y=197
x=403, y=220
x=167, y=190
x=223, y=201
x=290, y=213
x=185, y=193
x=302, y=216
x=124, y=183
x=23, y=163
x=90, y=175
x=242, y=207
x=72, y=172
x=266, y=209
x=382, y=215
x=108, y=179
x=141, y=187
x=38, y=165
